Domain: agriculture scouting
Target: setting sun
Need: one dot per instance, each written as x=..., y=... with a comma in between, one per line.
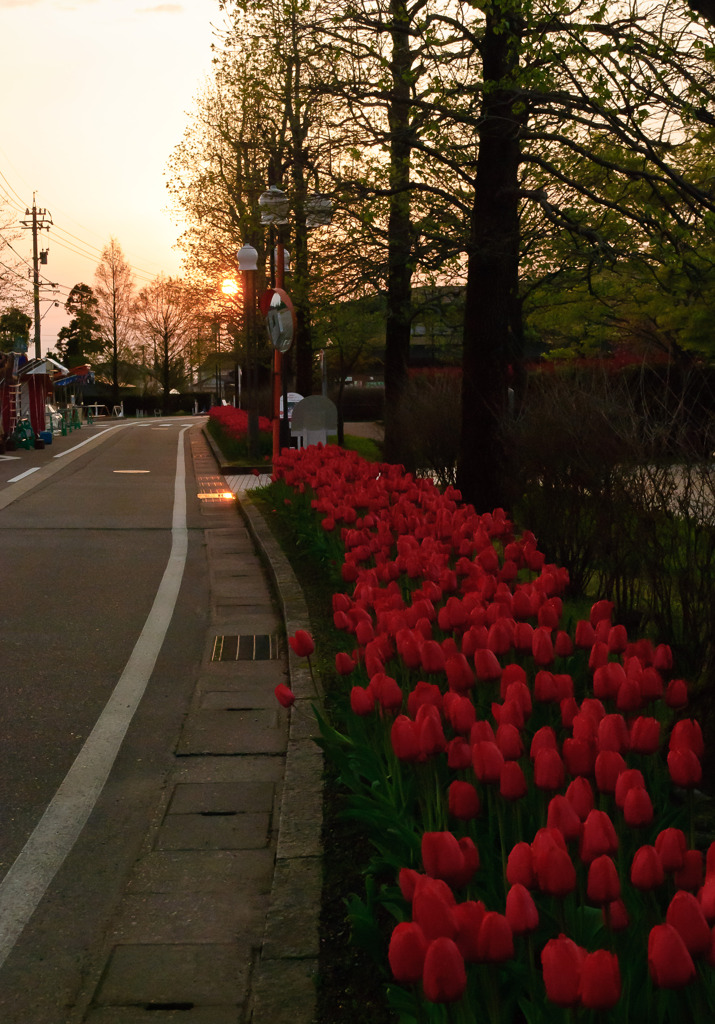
x=229, y=286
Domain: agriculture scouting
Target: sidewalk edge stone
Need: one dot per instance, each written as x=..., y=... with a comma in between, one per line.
x=295, y=901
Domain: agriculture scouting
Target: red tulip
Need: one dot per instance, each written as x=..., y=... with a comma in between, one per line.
x=542, y=647
x=509, y=741
x=555, y=872
x=669, y=961
x=584, y=635
x=521, y=912
x=344, y=664
x=617, y=639
x=626, y=781
x=486, y=665
x=647, y=868
x=607, y=680
x=676, y=694
x=638, y=808
x=545, y=686
x=512, y=783
x=362, y=702
x=608, y=766
x=444, y=857
x=563, y=644
x=687, y=917
x=690, y=876
x=663, y=658
x=549, y=770
x=429, y=731
x=495, y=942
x=579, y=756
x=687, y=734
x=684, y=767
x=600, y=983
x=444, y=978
x=302, y=643
x=644, y=735
x=406, y=953
x=463, y=800
x=404, y=737
x=543, y=739
x=580, y=795
x=598, y=836
x=432, y=656
x=461, y=713
x=562, y=815
x=459, y=753
x=612, y=733
x=520, y=866
x=603, y=885
x=706, y=898
x=487, y=760
x=432, y=905
x=671, y=844
x=407, y=880
x=615, y=916
x=460, y=676
x=561, y=962
x=601, y=610
x=423, y=693
x=468, y=917
x=284, y=695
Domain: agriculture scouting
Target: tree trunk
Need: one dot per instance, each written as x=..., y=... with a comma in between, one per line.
x=399, y=268
x=491, y=318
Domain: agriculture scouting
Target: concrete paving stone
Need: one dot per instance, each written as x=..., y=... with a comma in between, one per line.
x=284, y=992
x=190, y=917
x=242, y=698
x=213, y=832
x=259, y=767
x=236, y=732
x=231, y=619
x=303, y=778
x=228, y=675
x=219, y=871
x=238, y=797
x=292, y=924
x=184, y=1015
x=247, y=591
x=298, y=837
x=200, y=974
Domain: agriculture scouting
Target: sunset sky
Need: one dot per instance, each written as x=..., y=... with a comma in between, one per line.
x=95, y=95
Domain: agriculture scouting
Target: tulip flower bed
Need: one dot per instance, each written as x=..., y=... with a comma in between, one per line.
x=230, y=428
x=529, y=781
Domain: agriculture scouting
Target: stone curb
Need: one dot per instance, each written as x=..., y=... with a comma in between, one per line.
x=285, y=974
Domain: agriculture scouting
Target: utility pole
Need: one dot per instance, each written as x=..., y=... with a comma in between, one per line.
x=39, y=220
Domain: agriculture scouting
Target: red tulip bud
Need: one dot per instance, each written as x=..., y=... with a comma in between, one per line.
x=302, y=643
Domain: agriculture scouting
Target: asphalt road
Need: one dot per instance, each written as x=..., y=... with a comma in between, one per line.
x=86, y=535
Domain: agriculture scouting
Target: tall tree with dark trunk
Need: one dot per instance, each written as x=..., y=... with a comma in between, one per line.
x=491, y=329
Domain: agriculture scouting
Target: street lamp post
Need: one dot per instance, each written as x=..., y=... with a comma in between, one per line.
x=247, y=259
x=275, y=207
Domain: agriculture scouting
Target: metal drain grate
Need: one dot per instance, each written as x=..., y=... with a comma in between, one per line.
x=245, y=647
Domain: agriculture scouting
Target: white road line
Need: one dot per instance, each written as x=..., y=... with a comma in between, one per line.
x=14, y=479
x=61, y=455
x=57, y=831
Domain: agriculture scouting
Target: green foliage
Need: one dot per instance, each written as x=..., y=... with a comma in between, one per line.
x=14, y=329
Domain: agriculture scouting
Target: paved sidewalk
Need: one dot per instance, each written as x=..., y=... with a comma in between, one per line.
x=219, y=921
